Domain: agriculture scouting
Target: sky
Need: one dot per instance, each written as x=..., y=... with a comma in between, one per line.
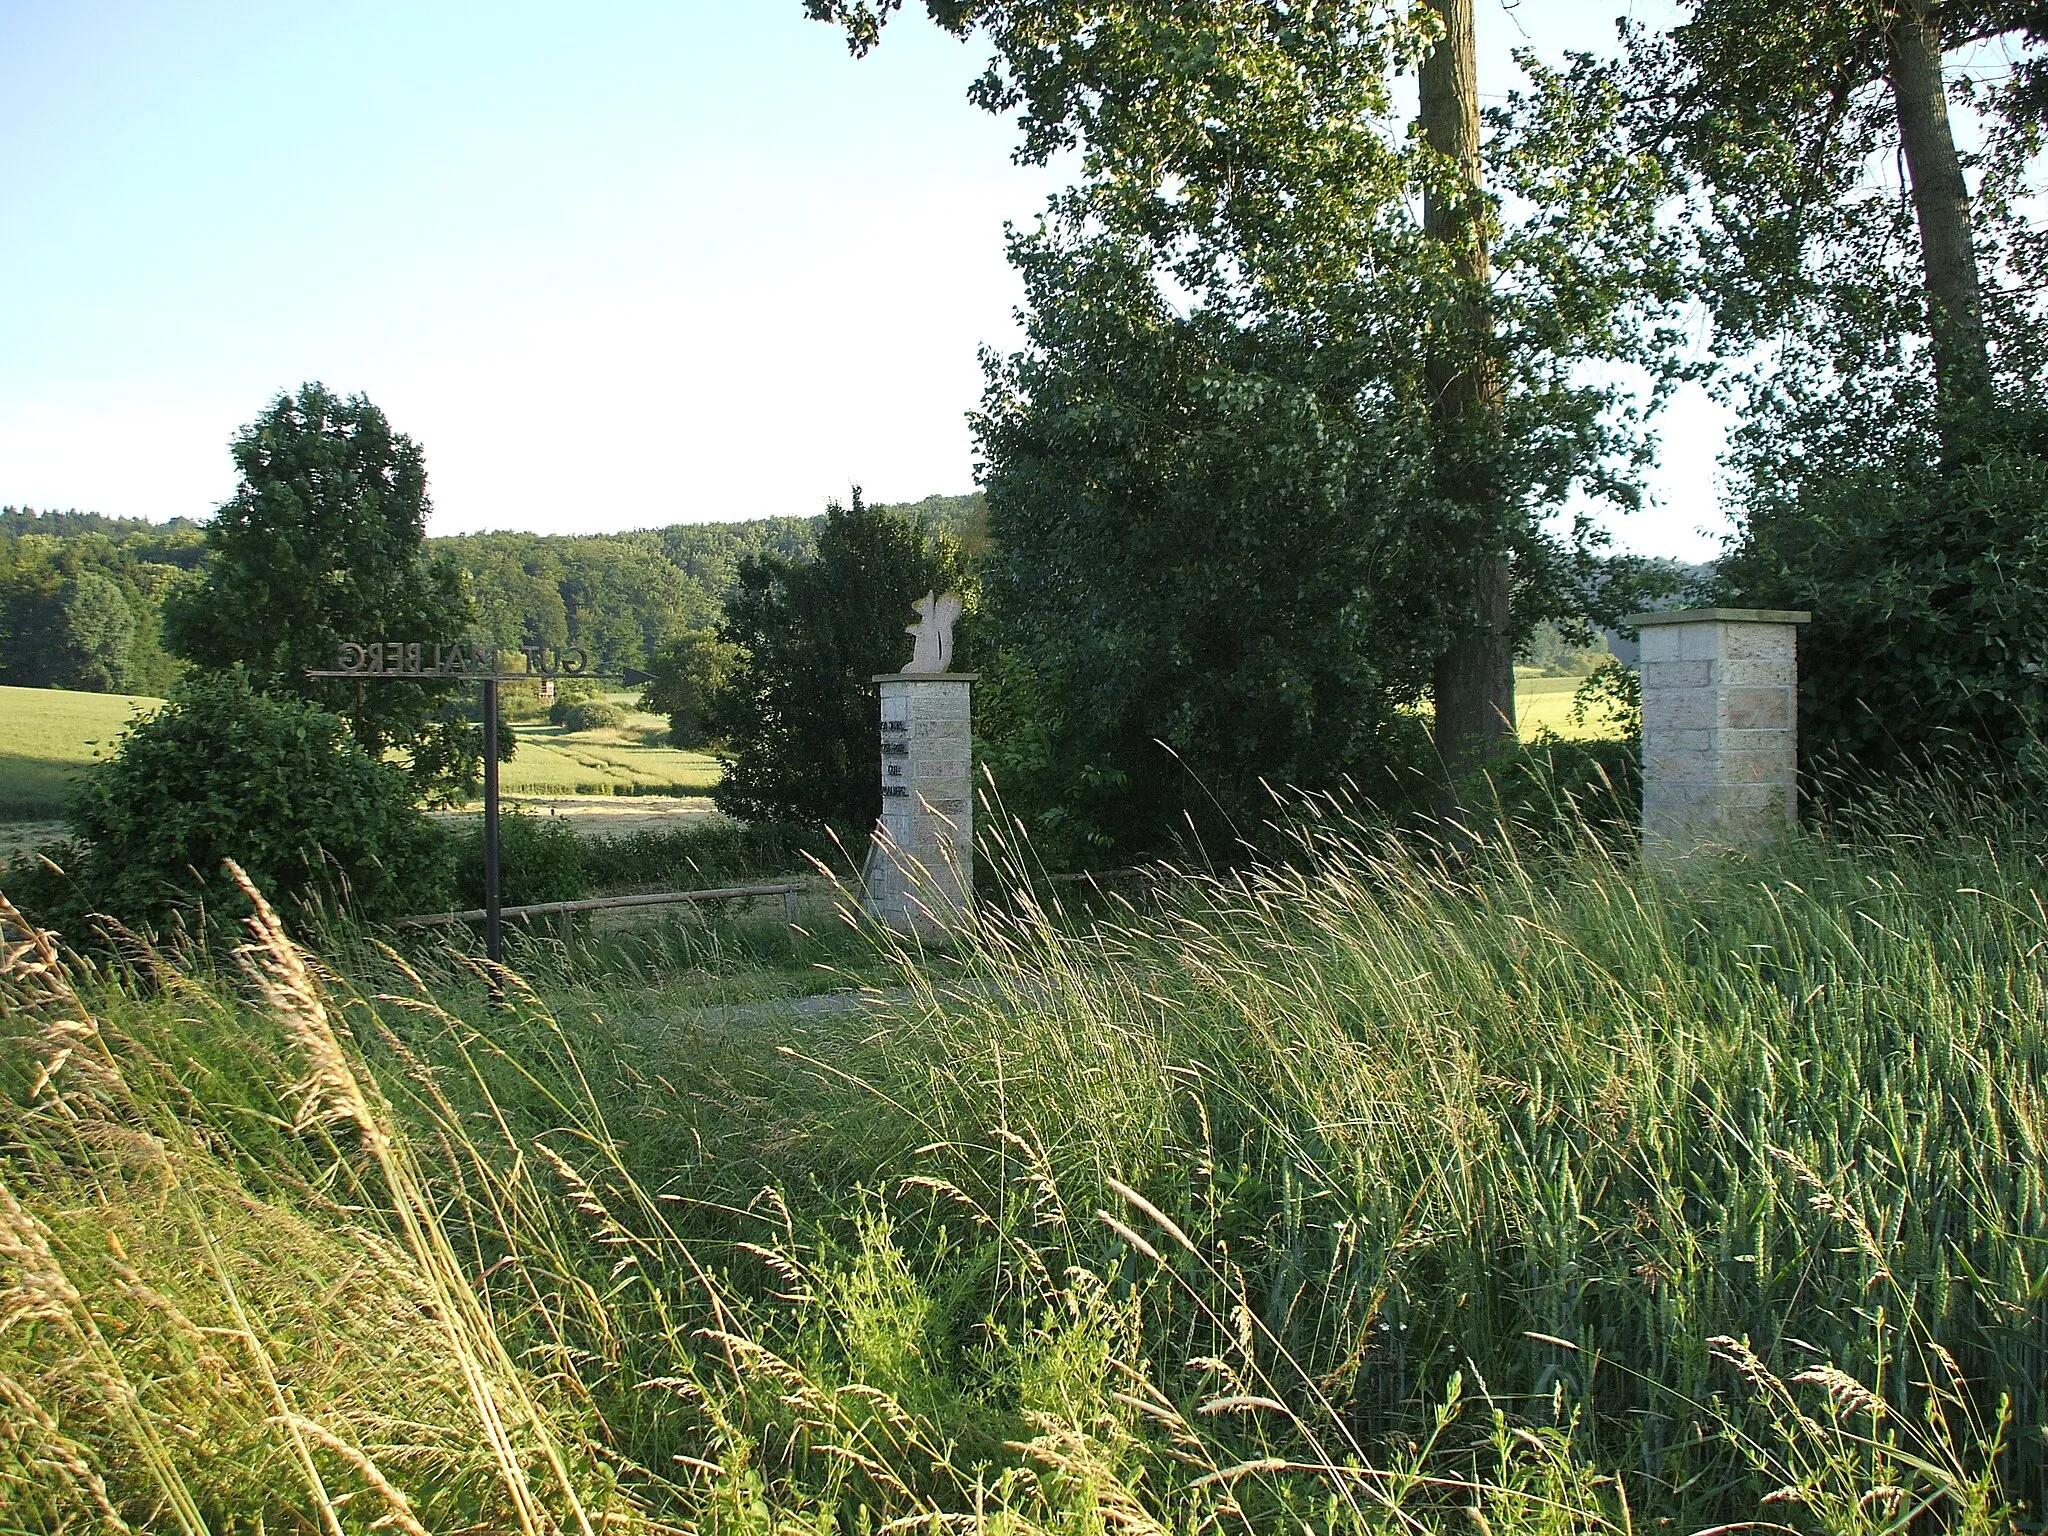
x=613, y=265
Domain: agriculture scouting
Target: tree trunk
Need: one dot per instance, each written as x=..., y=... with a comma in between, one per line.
x=1474, y=683
x=1941, y=201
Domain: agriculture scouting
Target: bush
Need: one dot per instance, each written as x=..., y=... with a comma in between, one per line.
x=585, y=714
x=278, y=785
x=540, y=858
x=1927, y=577
x=710, y=853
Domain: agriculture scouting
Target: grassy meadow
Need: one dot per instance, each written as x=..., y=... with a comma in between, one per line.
x=1545, y=704
x=48, y=736
x=1377, y=1191
x=632, y=758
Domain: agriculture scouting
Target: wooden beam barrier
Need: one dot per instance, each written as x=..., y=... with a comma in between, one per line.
x=788, y=890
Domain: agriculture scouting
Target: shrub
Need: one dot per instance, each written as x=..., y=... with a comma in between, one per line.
x=278, y=785
x=709, y=853
x=585, y=714
x=1927, y=577
x=540, y=858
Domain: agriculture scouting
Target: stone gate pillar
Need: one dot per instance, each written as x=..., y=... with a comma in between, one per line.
x=1720, y=728
x=920, y=871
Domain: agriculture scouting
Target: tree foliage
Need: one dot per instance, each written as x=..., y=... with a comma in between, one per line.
x=100, y=627
x=1235, y=317
x=324, y=541
x=798, y=707
x=81, y=599
x=688, y=674
x=1886, y=330
x=1927, y=575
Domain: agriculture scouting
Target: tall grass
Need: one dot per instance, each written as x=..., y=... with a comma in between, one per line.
x=1502, y=1188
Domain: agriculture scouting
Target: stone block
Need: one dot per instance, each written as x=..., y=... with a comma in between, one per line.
x=1698, y=642
x=1680, y=709
x=1681, y=767
x=1778, y=742
x=1760, y=642
x=1755, y=709
x=1677, y=674
x=1770, y=767
x=1744, y=672
x=1659, y=643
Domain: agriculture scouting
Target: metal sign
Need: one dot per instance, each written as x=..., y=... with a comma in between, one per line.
x=458, y=661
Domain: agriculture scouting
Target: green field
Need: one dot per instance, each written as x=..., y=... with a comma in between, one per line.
x=630, y=759
x=1545, y=704
x=47, y=735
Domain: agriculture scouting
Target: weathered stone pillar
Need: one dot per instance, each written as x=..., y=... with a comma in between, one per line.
x=1720, y=728
x=920, y=871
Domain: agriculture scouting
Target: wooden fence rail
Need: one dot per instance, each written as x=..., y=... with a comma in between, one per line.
x=788, y=890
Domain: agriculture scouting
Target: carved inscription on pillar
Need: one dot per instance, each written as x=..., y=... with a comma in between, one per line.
x=920, y=870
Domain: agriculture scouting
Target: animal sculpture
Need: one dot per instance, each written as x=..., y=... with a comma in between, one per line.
x=933, y=631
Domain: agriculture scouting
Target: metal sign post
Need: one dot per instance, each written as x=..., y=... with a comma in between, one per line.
x=494, y=939
x=413, y=661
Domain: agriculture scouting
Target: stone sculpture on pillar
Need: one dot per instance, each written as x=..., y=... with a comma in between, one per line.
x=920, y=867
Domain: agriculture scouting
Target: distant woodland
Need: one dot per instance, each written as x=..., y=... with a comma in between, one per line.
x=82, y=595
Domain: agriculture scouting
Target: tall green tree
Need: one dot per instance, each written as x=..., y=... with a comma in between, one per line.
x=689, y=673
x=324, y=540
x=1886, y=339
x=1473, y=680
x=798, y=706
x=1777, y=115
x=100, y=631
x=1246, y=192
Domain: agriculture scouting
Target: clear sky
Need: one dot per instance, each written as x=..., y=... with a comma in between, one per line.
x=614, y=265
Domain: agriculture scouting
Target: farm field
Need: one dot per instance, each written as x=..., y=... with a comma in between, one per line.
x=633, y=758
x=1545, y=704
x=48, y=736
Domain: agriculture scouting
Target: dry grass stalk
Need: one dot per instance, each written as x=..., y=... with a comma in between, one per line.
x=401, y=1514
x=330, y=1093
x=35, y=986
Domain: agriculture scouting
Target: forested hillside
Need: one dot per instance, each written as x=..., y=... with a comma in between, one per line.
x=81, y=598
x=81, y=595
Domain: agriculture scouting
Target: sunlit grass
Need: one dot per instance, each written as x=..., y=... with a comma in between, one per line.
x=48, y=736
x=632, y=758
x=1510, y=1190
x=1545, y=704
